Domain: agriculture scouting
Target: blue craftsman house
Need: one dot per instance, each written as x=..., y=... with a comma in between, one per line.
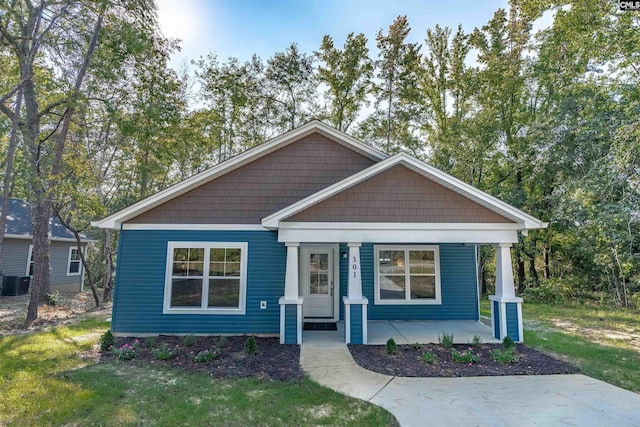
x=312, y=226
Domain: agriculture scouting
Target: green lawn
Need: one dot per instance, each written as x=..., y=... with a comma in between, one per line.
x=593, y=338
x=45, y=381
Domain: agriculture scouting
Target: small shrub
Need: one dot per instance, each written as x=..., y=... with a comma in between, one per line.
x=446, y=339
x=465, y=356
x=150, y=341
x=106, y=341
x=428, y=357
x=223, y=341
x=53, y=298
x=250, y=346
x=204, y=355
x=127, y=351
x=391, y=347
x=504, y=356
x=164, y=352
x=416, y=346
x=188, y=340
x=476, y=342
x=508, y=343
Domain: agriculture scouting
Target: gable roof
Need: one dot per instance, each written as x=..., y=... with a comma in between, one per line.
x=524, y=220
x=114, y=220
x=19, y=223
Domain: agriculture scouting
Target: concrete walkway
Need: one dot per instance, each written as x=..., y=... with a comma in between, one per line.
x=550, y=400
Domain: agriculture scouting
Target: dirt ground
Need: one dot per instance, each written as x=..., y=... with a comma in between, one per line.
x=70, y=308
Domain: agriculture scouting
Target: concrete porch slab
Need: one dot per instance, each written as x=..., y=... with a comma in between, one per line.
x=427, y=331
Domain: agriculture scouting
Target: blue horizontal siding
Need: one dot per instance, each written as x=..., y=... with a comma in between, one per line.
x=512, y=320
x=356, y=324
x=496, y=319
x=291, y=324
x=458, y=286
x=139, y=290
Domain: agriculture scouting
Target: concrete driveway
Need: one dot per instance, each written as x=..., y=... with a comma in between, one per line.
x=549, y=400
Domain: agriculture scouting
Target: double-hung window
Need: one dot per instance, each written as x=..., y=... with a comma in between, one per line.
x=407, y=275
x=73, y=262
x=205, y=277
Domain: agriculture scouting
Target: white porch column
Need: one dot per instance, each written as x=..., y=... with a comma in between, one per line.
x=291, y=273
x=505, y=286
x=506, y=308
x=291, y=302
x=355, y=280
x=355, y=305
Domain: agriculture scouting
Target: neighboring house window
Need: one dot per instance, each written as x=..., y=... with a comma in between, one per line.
x=206, y=278
x=29, y=271
x=407, y=275
x=73, y=264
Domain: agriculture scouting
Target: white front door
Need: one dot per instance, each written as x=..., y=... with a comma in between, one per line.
x=318, y=282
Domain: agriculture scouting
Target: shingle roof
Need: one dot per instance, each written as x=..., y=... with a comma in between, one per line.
x=19, y=222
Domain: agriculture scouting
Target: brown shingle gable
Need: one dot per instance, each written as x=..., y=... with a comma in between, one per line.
x=398, y=194
x=263, y=186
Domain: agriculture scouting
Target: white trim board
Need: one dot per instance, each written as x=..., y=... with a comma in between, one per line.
x=196, y=227
x=113, y=221
x=524, y=220
x=372, y=235
x=52, y=239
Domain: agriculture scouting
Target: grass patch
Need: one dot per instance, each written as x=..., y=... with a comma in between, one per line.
x=588, y=336
x=618, y=366
x=45, y=382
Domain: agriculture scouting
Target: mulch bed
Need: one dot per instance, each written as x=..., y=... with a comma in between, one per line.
x=273, y=361
x=407, y=362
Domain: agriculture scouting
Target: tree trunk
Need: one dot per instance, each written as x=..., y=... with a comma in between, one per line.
x=108, y=271
x=6, y=187
x=547, y=267
x=40, y=213
x=521, y=269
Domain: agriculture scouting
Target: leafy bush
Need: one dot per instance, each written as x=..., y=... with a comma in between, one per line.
x=127, y=351
x=223, y=341
x=416, y=346
x=504, y=356
x=428, y=357
x=204, y=355
x=106, y=341
x=476, y=342
x=250, y=346
x=150, y=341
x=553, y=291
x=53, y=298
x=465, y=356
x=508, y=343
x=188, y=340
x=391, y=347
x=446, y=339
x=164, y=352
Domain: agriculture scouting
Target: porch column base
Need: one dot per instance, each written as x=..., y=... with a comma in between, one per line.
x=355, y=320
x=506, y=317
x=290, y=321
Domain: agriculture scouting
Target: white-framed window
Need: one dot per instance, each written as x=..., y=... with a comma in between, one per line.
x=74, y=265
x=29, y=270
x=407, y=274
x=206, y=277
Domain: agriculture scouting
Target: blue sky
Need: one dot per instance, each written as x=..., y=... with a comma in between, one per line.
x=241, y=28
